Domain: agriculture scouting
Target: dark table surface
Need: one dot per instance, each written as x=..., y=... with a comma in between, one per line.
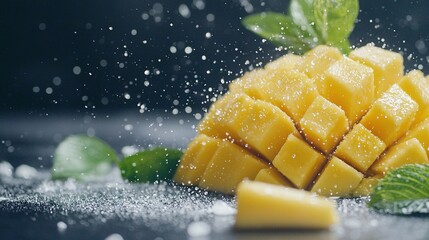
x=39, y=208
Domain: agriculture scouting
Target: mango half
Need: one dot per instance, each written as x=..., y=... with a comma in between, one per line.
x=321, y=122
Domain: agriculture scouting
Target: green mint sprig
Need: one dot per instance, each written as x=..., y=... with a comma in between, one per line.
x=86, y=158
x=309, y=23
x=403, y=191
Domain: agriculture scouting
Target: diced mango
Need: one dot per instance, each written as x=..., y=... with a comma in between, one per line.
x=324, y=124
x=421, y=133
x=249, y=83
x=194, y=161
x=407, y=152
x=347, y=81
x=261, y=205
x=288, y=61
x=365, y=187
x=229, y=166
x=261, y=125
x=272, y=176
x=214, y=122
x=388, y=66
x=360, y=148
x=391, y=115
x=337, y=179
x=416, y=86
x=317, y=60
x=298, y=161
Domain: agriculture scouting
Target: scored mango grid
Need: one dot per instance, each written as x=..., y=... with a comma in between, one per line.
x=290, y=67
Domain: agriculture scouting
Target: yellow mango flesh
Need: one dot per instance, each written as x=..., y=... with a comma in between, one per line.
x=298, y=161
x=407, y=152
x=261, y=205
x=195, y=160
x=365, y=187
x=421, y=133
x=337, y=179
x=391, y=115
x=347, y=81
x=416, y=86
x=272, y=176
x=388, y=66
x=302, y=107
x=360, y=148
x=229, y=166
x=324, y=124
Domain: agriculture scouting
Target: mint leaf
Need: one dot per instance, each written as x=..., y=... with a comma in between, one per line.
x=280, y=30
x=301, y=12
x=335, y=19
x=403, y=191
x=82, y=157
x=151, y=165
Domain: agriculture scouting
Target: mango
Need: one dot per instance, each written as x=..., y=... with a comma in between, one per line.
x=391, y=115
x=365, y=187
x=272, y=176
x=229, y=166
x=298, y=161
x=360, y=148
x=388, y=66
x=322, y=122
x=261, y=205
x=407, y=152
x=337, y=179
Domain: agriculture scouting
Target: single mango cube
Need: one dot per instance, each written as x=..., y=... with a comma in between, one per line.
x=214, y=122
x=421, y=133
x=250, y=83
x=324, y=124
x=407, y=152
x=391, y=115
x=388, y=66
x=272, y=176
x=267, y=206
x=365, y=187
x=261, y=125
x=288, y=61
x=229, y=166
x=360, y=148
x=337, y=179
x=416, y=86
x=291, y=91
x=347, y=82
x=187, y=160
x=317, y=60
x=195, y=159
x=298, y=161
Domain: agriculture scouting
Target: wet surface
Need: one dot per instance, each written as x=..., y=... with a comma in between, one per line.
x=39, y=208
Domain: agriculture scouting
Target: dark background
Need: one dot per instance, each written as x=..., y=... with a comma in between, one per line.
x=44, y=43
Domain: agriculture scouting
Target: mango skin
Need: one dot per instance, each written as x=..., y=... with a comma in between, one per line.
x=267, y=206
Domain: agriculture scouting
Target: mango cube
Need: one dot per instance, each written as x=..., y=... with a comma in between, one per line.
x=421, y=133
x=324, y=124
x=365, y=187
x=261, y=125
x=408, y=152
x=416, y=86
x=347, y=82
x=388, y=66
x=360, y=148
x=337, y=179
x=272, y=176
x=317, y=60
x=229, y=166
x=391, y=115
x=194, y=161
x=266, y=206
x=298, y=161
x=249, y=83
x=288, y=61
